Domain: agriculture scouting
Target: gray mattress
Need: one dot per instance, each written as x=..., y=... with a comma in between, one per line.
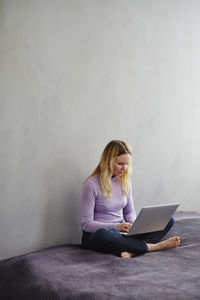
x=69, y=272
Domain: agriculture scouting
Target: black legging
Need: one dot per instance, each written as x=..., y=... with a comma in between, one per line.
x=111, y=241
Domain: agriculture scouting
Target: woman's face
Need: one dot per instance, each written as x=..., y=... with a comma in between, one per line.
x=121, y=164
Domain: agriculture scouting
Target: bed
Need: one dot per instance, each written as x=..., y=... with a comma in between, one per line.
x=69, y=272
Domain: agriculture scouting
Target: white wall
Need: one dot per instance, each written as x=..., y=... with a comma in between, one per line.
x=76, y=74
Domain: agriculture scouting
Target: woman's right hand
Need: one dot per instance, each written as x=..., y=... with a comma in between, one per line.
x=124, y=227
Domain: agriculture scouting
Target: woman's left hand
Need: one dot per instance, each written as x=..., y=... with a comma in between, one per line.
x=124, y=227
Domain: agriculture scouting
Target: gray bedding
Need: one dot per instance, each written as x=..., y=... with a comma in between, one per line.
x=69, y=272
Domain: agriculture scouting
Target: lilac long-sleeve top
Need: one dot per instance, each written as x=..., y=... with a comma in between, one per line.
x=98, y=211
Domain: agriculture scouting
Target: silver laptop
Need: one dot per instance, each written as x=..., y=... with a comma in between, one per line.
x=153, y=218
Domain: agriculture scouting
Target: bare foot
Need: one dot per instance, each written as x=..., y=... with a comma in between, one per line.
x=127, y=254
x=172, y=242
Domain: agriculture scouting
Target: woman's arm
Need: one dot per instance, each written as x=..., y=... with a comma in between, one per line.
x=87, y=210
x=129, y=210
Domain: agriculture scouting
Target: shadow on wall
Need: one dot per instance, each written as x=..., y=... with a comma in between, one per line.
x=62, y=206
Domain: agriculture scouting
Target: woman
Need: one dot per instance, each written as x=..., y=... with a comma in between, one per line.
x=107, y=208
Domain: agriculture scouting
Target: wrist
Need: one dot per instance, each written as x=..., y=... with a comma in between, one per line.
x=118, y=226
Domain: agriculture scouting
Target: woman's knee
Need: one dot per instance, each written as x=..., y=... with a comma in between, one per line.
x=104, y=235
x=99, y=240
x=170, y=223
x=103, y=232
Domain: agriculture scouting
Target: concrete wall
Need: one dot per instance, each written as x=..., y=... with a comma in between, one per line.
x=76, y=74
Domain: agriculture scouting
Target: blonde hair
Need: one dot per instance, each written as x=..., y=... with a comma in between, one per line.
x=105, y=167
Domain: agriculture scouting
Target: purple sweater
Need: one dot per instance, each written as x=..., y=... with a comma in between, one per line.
x=98, y=211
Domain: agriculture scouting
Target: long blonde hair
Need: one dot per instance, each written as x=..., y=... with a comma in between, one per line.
x=105, y=167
